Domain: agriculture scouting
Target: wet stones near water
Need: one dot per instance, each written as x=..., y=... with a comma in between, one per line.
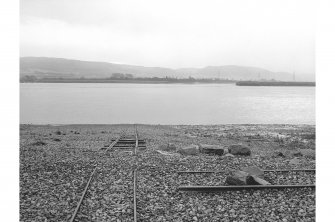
x=190, y=150
x=212, y=149
x=238, y=149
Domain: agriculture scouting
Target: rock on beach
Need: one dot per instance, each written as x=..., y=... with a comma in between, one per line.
x=237, y=178
x=254, y=180
x=211, y=149
x=247, y=176
x=190, y=150
x=168, y=147
x=238, y=149
x=254, y=171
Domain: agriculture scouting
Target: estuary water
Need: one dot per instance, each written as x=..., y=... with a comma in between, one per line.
x=100, y=103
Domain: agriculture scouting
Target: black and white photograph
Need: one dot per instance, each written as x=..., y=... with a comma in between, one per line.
x=158, y=110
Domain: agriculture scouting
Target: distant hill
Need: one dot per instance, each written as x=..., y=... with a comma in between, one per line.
x=44, y=67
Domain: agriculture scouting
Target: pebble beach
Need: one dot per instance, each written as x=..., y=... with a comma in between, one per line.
x=56, y=162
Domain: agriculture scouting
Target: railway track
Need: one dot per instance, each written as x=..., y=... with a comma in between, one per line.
x=133, y=144
x=205, y=188
x=122, y=143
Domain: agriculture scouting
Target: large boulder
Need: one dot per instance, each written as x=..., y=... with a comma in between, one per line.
x=168, y=147
x=254, y=171
x=237, y=178
x=240, y=177
x=238, y=149
x=211, y=149
x=189, y=150
x=255, y=180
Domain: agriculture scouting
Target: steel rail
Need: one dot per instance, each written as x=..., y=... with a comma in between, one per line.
x=265, y=171
x=95, y=169
x=247, y=187
x=83, y=195
x=136, y=144
x=89, y=182
x=292, y=170
x=135, y=174
x=134, y=191
x=115, y=142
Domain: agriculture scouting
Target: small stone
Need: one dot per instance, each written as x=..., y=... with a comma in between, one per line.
x=295, y=161
x=226, y=150
x=229, y=155
x=297, y=153
x=168, y=147
x=278, y=154
x=238, y=149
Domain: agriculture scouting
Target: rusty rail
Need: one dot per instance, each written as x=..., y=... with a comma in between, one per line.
x=89, y=182
x=115, y=142
x=134, y=190
x=136, y=144
x=265, y=171
x=135, y=174
x=82, y=196
x=292, y=170
x=95, y=169
x=247, y=187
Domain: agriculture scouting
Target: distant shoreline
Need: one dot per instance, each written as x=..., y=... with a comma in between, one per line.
x=169, y=81
x=263, y=83
x=132, y=80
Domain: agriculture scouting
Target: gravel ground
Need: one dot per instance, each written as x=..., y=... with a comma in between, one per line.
x=56, y=162
x=110, y=197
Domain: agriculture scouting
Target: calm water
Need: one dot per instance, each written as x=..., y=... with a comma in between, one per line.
x=164, y=104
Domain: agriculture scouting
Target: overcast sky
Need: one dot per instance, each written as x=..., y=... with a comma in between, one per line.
x=274, y=34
